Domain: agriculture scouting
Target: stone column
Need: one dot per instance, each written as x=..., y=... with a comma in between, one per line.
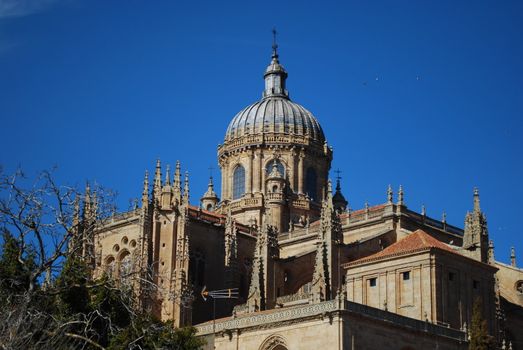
x=248, y=187
x=256, y=171
x=223, y=169
x=300, y=171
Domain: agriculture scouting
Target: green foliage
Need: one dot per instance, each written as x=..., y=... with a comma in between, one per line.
x=148, y=333
x=73, y=296
x=479, y=337
x=15, y=271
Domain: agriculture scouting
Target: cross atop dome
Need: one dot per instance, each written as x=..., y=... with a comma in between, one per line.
x=275, y=75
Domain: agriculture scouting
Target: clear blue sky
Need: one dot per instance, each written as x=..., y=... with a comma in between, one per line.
x=424, y=94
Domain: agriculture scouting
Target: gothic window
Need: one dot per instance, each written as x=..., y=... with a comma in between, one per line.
x=126, y=268
x=238, y=182
x=279, y=165
x=311, y=182
x=109, y=266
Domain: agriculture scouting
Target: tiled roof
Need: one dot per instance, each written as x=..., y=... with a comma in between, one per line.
x=415, y=242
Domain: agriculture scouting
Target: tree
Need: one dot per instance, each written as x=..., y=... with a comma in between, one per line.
x=49, y=298
x=479, y=337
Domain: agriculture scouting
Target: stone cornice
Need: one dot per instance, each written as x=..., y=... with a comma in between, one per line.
x=298, y=314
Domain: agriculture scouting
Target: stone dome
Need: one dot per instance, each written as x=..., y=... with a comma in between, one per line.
x=275, y=113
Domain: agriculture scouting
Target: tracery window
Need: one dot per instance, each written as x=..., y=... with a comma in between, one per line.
x=279, y=166
x=109, y=266
x=238, y=182
x=126, y=267
x=311, y=182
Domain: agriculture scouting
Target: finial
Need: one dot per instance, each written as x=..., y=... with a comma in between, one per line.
x=338, y=178
x=186, y=185
x=400, y=196
x=329, y=188
x=476, y=200
x=423, y=210
x=177, y=176
x=274, y=44
x=146, y=183
x=512, y=256
x=167, y=175
x=389, y=194
x=444, y=217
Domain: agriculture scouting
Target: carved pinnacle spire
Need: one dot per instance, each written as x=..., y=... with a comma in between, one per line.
x=177, y=176
x=476, y=200
x=423, y=210
x=389, y=194
x=444, y=217
x=167, y=175
x=186, y=187
x=512, y=256
x=401, y=196
x=145, y=192
x=87, y=201
x=157, y=180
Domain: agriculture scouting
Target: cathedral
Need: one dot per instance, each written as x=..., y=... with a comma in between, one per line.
x=296, y=267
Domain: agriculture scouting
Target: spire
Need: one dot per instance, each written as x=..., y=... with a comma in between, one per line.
x=167, y=175
x=476, y=200
x=512, y=257
x=275, y=75
x=210, y=198
x=157, y=187
x=145, y=192
x=389, y=194
x=177, y=177
x=475, y=236
x=339, y=201
x=401, y=196
x=186, y=188
x=274, y=45
x=87, y=202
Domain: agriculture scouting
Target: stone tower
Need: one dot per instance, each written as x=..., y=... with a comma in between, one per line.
x=274, y=155
x=475, y=237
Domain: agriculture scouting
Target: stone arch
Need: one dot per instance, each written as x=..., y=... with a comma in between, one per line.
x=282, y=166
x=109, y=265
x=274, y=342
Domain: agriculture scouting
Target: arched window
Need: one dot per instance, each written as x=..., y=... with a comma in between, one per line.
x=311, y=183
x=109, y=266
x=126, y=268
x=238, y=182
x=279, y=165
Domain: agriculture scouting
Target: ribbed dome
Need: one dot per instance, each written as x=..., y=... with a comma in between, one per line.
x=275, y=114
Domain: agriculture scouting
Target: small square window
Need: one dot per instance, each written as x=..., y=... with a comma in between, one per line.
x=406, y=275
x=372, y=282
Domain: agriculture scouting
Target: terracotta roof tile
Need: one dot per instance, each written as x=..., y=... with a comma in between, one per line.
x=414, y=242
